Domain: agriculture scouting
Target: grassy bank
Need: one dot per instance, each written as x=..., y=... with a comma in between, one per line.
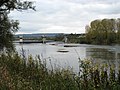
x=17, y=74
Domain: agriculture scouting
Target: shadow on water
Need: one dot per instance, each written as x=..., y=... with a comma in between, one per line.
x=104, y=56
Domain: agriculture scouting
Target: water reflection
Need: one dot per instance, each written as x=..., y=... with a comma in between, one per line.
x=97, y=53
x=103, y=55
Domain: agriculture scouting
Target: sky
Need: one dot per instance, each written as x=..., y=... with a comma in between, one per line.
x=64, y=16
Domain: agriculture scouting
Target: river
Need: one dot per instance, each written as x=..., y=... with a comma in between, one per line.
x=50, y=53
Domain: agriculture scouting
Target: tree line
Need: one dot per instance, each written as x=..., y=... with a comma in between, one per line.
x=105, y=31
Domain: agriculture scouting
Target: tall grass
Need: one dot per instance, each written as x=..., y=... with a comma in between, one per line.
x=17, y=74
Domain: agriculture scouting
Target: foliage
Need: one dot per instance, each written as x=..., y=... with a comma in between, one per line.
x=104, y=31
x=17, y=73
x=9, y=27
x=59, y=37
x=9, y=5
x=73, y=38
x=76, y=38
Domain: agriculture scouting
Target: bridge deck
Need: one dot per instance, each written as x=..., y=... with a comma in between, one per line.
x=33, y=41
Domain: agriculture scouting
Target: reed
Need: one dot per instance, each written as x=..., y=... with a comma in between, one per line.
x=18, y=73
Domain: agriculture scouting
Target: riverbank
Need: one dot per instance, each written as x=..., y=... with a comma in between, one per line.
x=17, y=74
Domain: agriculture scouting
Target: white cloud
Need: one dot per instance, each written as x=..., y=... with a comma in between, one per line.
x=65, y=16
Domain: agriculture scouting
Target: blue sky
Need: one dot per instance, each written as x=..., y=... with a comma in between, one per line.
x=64, y=16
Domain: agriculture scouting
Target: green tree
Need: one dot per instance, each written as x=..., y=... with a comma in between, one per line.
x=102, y=31
x=94, y=32
x=118, y=30
x=9, y=27
x=88, y=34
x=109, y=30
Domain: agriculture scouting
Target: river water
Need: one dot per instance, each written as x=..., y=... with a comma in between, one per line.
x=69, y=58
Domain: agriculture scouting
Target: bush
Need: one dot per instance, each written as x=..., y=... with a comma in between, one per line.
x=17, y=73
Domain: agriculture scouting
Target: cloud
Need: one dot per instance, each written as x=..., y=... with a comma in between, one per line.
x=65, y=16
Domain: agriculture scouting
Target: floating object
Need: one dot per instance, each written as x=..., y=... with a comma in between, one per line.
x=71, y=45
x=62, y=50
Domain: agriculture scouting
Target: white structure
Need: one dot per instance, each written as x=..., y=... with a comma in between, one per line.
x=43, y=39
x=21, y=39
x=66, y=39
